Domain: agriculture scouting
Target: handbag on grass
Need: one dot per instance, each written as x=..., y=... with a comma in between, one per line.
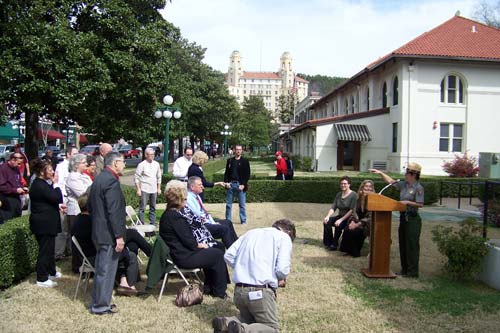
x=189, y=295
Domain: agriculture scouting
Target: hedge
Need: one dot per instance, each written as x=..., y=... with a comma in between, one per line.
x=312, y=191
x=19, y=251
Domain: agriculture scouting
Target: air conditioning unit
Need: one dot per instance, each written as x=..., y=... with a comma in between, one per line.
x=379, y=165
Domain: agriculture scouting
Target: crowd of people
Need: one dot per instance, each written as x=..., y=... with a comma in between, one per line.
x=81, y=197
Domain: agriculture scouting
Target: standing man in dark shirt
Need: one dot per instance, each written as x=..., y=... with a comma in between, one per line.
x=236, y=178
x=10, y=186
x=107, y=212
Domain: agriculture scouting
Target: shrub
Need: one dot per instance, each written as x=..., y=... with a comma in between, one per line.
x=464, y=248
x=19, y=251
x=306, y=163
x=462, y=166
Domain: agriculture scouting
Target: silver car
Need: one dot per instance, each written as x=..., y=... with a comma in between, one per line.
x=5, y=152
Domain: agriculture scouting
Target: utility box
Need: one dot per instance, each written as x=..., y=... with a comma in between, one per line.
x=490, y=272
x=489, y=165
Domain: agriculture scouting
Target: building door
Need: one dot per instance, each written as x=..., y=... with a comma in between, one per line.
x=348, y=155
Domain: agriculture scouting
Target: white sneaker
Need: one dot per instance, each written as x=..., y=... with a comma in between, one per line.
x=55, y=277
x=46, y=284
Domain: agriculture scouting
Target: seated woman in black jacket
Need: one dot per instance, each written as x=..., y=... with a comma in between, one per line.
x=190, y=245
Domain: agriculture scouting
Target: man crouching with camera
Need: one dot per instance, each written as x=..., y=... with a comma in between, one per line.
x=261, y=261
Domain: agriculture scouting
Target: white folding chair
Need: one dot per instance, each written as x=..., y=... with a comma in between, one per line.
x=86, y=268
x=146, y=230
x=181, y=272
x=132, y=215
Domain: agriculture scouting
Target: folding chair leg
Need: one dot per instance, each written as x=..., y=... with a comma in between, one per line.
x=165, y=279
x=197, y=277
x=77, y=286
x=183, y=277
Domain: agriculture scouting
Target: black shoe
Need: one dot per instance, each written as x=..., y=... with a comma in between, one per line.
x=235, y=327
x=219, y=324
x=224, y=297
x=125, y=291
x=332, y=248
x=401, y=273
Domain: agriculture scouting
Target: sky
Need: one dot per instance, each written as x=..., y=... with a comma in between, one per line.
x=327, y=37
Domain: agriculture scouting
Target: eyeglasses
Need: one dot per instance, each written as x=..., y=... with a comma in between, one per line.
x=411, y=173
x=344, y=183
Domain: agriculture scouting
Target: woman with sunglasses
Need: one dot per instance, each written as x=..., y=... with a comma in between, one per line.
x=411, y=195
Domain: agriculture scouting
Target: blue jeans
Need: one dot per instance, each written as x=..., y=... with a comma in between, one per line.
x=242, y=198
x=148, y=198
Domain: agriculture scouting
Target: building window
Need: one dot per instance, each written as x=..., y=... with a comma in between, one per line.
x=394, y=137
x=352, y=104
x=346, y=106
x=451, y=137
x=452, y=90
x=367, y=99
x=384, y=95
x=395, y=91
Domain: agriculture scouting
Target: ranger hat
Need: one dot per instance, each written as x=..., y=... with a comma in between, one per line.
x=415, y=167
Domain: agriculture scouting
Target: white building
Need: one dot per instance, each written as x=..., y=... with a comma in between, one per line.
x=433, y=97
x=268, y=85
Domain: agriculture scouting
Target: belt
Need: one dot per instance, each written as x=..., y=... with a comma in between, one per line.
x=182, y=180
x=235, y=181
x=262, y=286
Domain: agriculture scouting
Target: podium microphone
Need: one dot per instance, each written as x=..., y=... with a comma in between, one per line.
x=389, y=185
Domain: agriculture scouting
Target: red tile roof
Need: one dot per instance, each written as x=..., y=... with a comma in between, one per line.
x=261, y=75
x=458, y=37
x=268, y=75
x=299, y=79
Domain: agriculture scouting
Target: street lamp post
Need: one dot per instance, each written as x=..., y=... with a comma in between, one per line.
x=225, y=133
x=67, y=132
x=166, y=112
x=19, y=128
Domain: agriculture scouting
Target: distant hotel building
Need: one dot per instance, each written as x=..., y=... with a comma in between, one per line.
x=269, y=85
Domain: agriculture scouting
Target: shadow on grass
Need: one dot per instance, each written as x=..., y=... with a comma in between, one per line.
x=443, y=296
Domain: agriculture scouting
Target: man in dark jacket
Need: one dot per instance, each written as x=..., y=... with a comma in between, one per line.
x=107, y=211
x=236, y=178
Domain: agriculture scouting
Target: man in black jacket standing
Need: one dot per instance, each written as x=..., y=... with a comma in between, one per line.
x=107, y=211
x=236, y=178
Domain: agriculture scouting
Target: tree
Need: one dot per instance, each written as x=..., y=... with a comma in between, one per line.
x=46, y=68
x=322, y=83
x=488, y=12
x=253, y=123
x=106, y=66
x=286, y=106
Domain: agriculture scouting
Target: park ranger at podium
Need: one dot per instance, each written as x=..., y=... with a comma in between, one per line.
x=411, y=195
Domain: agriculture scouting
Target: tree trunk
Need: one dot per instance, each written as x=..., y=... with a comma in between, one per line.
x=31, y=139
x=181, y=146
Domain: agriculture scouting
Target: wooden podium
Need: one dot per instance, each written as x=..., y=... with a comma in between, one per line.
x=380, y=235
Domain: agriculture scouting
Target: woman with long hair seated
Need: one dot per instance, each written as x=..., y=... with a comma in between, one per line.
x=359, y=226
x=191, y=244
x=345, y=203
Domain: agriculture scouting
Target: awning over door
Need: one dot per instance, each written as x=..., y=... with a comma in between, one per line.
x=351, y=132
x=51, y=134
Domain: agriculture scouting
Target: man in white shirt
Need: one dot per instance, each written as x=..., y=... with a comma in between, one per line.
x=261, y=261
x=61, y=174
x=222, y=229
x=182, y=164
x=147, y=183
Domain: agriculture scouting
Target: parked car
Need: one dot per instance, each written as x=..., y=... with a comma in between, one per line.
x=128, y=151
x=55, y=150
x=90, y=150
x=5, y=151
